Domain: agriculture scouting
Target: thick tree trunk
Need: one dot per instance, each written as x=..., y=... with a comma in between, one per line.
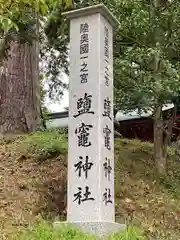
x=19, y=88
x=159, y=150
x=19, y=97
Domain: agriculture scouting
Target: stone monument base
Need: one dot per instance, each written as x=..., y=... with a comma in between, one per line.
x=100, y=229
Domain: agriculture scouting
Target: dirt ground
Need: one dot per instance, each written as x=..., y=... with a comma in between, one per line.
x=31, y=186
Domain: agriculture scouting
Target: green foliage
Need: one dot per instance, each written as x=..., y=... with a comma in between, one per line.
x=54, y=51
x=146, y=72
x=132, y=233
x=145, y=51
x=46, y=145
x=64, y=131
x=44, y=231
x=139, y=86
x=145, y=47
x=18, y=20
x=12, y=12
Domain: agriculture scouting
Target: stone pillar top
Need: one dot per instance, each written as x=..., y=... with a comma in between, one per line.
x=99, y=8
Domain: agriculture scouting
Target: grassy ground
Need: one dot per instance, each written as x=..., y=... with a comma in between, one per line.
x=33, y=183
x=42, y=230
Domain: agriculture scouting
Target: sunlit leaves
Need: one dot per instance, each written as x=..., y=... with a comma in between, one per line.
x=18, y=19
x=11, y=10
x=6, y=24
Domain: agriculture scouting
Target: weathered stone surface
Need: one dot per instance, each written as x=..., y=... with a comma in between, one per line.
x=91, y=132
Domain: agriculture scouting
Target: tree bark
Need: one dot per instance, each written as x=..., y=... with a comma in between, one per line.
x=159, y=153
x=162, y=137
x=160, y=150
x=19, y=91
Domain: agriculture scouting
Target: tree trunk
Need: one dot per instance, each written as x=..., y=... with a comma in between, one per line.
x=160, y=139
x=19, y=91
x=159, y=150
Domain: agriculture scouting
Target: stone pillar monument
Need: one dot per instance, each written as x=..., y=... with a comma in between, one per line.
x=91, y=205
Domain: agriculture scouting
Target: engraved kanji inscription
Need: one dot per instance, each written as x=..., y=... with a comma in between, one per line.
x=84, y=38
x=82, y=133
x=84, y=105
x=84, y=28
x=107, y=197
x=84, y=77
x=84, y=67
x=83, y=166
x=84, y=72
x=107, y=108
x=84, y=48
x=106, y=76
x=107, y=133
x=107, y=168
x=106, y=42
x=80, y=197
x=106, y=32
